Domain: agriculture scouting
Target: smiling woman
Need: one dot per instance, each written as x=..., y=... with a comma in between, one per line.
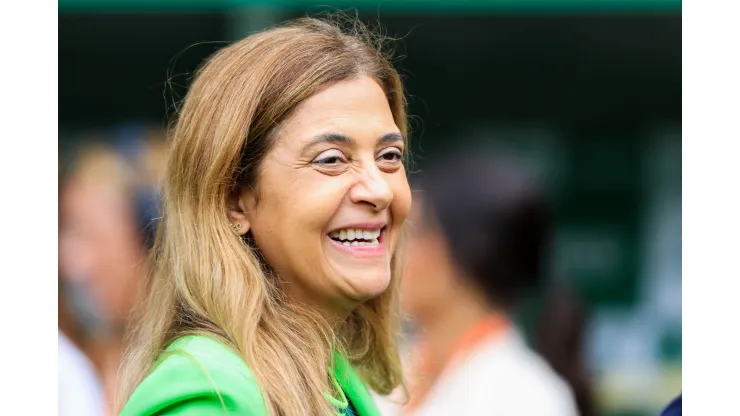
x=275, y=270
x=336, y=168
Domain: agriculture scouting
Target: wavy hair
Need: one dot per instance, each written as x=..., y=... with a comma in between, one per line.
x=203, y=278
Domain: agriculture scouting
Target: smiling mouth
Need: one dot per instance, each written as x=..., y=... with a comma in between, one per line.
x=353, y=237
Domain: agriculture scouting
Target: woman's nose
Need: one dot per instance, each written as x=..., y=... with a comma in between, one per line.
x=372, y=188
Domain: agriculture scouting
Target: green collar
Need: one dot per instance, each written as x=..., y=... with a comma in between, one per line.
x=352, y=386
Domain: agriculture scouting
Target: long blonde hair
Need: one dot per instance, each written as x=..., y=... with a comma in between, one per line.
x=206, y=280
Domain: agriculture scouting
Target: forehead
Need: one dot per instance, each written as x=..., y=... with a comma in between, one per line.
x=357, y=108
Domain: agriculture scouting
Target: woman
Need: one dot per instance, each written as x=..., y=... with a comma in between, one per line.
x=477, y=245
x=274, y=281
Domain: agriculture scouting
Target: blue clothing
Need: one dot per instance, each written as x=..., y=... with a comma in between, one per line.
x=674, y=408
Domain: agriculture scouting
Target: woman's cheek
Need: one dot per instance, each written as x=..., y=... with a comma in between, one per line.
x=402, y=199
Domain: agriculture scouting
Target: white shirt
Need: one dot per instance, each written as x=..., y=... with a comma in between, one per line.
x=500, y=377
x=80, y=392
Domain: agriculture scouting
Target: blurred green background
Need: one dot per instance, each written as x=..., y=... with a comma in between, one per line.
x=587, y=91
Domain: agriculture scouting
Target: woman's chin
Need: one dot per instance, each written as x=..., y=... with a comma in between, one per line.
x=366, y=286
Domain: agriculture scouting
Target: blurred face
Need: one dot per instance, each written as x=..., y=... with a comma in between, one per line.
x=429, y=275
x=332, y=197
x=99, y=245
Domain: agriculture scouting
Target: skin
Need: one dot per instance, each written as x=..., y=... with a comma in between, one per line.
x=433, y=291
x=335, y=164
x=100, y=247
x=429, y=273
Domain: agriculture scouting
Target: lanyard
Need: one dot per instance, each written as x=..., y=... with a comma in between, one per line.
x=488, y=327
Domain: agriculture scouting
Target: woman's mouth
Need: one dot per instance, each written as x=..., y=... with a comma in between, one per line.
x=354, y=237
x=361, y=241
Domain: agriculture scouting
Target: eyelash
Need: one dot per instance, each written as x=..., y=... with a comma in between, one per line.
x=327, y=160
x=334, y=159
x=393, y=151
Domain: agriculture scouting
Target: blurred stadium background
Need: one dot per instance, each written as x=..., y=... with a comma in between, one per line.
x=588, y=92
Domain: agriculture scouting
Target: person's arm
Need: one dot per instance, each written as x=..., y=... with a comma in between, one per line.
x=183, y=385
x=205, y=406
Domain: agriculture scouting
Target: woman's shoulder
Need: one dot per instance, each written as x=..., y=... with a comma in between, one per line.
x=197, y=375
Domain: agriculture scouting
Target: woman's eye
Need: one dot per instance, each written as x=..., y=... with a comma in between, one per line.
x=391, y=155
x=330, y=158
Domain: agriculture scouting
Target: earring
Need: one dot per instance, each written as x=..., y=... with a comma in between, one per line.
x=236, y=226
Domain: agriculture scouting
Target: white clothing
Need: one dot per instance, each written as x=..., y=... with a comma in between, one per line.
x=502, y=376
x=80, y=392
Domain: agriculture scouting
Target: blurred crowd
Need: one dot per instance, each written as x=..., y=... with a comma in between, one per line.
x=461, y=295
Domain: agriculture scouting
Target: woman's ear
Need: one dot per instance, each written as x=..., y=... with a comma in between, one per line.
x=241, y=204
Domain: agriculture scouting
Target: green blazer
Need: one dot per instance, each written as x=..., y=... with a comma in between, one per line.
x=199, y=376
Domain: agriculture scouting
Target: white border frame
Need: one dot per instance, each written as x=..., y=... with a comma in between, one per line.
x=711, y=206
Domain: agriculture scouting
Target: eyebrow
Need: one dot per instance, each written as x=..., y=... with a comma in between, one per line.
x=342, y=139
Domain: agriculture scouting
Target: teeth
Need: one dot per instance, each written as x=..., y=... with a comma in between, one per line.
x=372, y=242
x=347, y=235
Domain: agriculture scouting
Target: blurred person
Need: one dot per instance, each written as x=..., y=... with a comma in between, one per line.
x=274, y=280
x=478, y=237
x=106, y=206
x=559, y=338
x=79, y=389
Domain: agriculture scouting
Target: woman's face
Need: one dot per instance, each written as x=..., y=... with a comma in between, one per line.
x=332, y=197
